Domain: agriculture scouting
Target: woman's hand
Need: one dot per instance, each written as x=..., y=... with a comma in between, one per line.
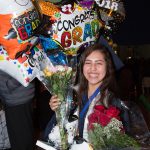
x=54, y=102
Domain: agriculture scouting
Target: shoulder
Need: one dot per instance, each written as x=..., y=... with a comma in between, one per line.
x=115, y=101
x=4, y=75
x=111, y=99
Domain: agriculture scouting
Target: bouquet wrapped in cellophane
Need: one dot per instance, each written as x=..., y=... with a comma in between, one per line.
x=57, y=80
x=57, y=75
x=106, y=130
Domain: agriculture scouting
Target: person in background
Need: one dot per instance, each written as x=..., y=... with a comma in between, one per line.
x=4, y=139
x=96, y=87
x=126, y=82
x=43, y=113
x=17, y=102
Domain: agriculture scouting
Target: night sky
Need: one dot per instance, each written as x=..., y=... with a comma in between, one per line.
x=135, y=29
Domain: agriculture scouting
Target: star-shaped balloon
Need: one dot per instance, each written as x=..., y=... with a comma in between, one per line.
x=73, y=24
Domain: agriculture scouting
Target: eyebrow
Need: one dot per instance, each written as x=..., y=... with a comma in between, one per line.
x=95, y=60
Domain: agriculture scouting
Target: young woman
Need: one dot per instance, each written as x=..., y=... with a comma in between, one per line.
x=96, y=86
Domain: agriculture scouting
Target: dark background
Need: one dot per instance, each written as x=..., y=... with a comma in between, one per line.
x=135, y=29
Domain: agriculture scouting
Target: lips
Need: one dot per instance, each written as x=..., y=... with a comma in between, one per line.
x=93, y=75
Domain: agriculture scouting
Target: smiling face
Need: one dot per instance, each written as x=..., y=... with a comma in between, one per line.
x=94, y=68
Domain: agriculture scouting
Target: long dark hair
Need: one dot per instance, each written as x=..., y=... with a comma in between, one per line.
x=109, y=79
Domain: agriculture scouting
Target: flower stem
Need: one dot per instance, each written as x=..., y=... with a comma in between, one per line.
x=60, y=116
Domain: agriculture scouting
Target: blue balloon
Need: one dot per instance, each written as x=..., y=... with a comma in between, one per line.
x=52, y=49
x=58, y=58
x=48, y=43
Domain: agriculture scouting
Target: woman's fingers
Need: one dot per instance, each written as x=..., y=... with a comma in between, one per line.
x=54, y=102
x=54, y=106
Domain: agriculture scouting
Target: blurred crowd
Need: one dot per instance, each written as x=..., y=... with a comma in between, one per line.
x=130, y=77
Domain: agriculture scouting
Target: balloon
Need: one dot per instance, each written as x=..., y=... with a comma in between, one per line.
x=71, y=27
x=60, y=2
x=22, y=69
x=86, y=3
x=19, y=19
x=111, y=13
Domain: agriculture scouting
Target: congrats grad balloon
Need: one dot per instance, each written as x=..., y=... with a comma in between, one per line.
x=71, y=26
x=19, y=19
x=23, y=69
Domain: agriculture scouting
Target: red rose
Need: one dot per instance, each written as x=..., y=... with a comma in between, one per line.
x=103, y=119
x=102, y=116
x=100, y=108
x=112, y=112
x=93, y=118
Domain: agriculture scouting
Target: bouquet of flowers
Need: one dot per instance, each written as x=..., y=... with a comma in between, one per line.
x=57, y=80
x=56, y=75
x=106, y=130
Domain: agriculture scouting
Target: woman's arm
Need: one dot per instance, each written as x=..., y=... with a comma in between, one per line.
x=124, y=114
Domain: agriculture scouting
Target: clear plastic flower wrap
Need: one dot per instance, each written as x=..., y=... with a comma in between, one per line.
x=57, y=75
